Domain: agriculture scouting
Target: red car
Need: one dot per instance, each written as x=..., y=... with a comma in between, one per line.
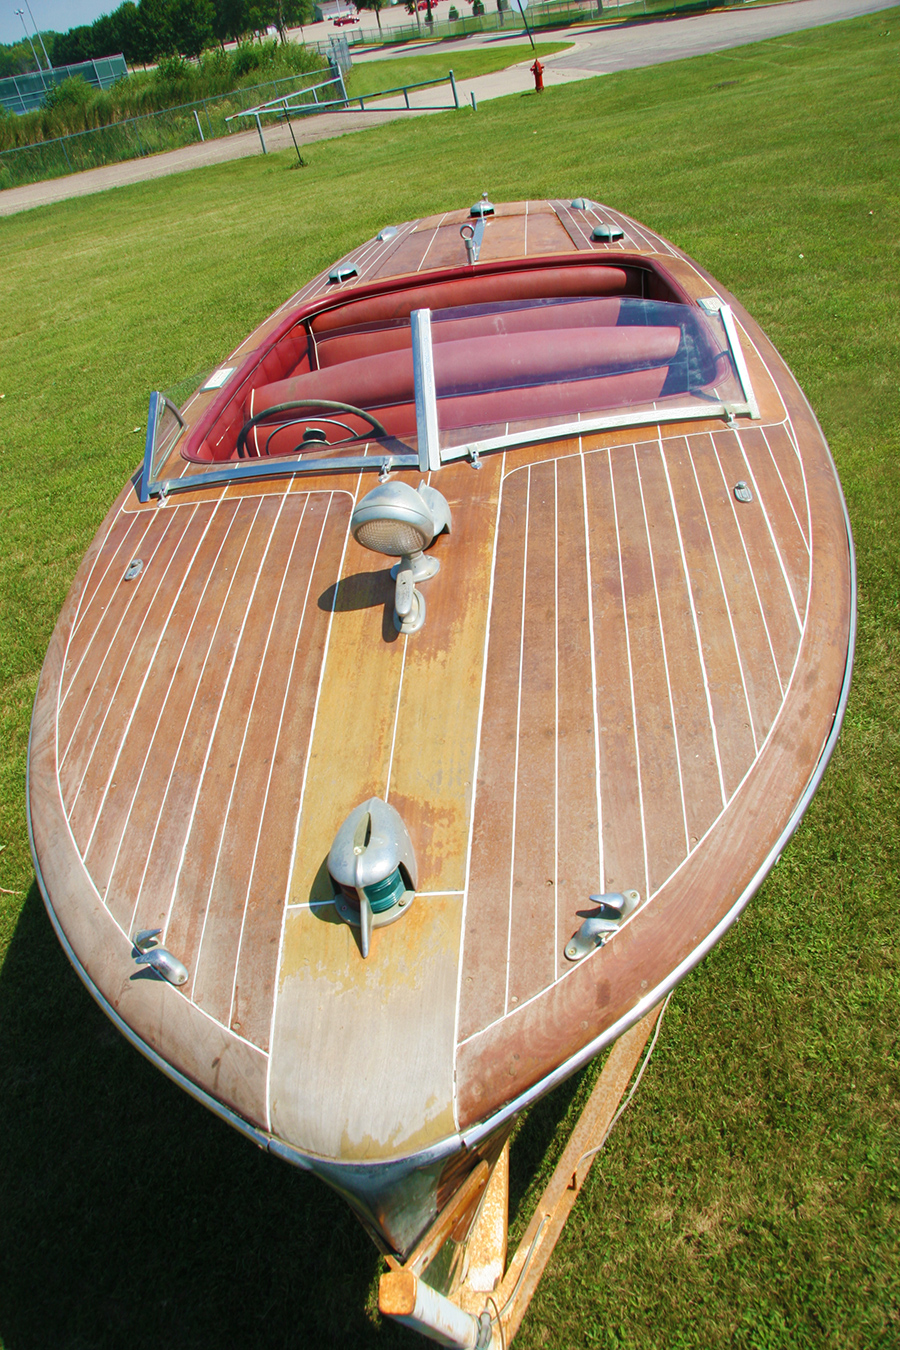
x=345, y=19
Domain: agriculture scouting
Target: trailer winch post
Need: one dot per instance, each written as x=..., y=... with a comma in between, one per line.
x=484, y=1305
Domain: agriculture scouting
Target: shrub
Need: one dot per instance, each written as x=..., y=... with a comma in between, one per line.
x=70, y=95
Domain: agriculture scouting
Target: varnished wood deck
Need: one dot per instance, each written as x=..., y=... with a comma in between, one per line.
x=625, y=680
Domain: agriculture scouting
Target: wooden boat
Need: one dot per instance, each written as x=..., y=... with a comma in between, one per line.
x=367, y=877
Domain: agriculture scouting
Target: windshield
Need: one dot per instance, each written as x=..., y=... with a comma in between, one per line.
x=560, y=358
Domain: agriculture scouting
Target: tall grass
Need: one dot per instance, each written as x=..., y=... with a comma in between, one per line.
x=75, y=106
x=750, y=1197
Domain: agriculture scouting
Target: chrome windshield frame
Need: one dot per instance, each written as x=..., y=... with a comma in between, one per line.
x=431, y=455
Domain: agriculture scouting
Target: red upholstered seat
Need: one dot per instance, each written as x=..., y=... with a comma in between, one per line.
x=496, y=377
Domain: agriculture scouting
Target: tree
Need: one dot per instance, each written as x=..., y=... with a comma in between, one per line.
x=159, y=38
x=291, y=13
x=73, y=47
x=230, y=20
x=376, y=6
x=191, y=23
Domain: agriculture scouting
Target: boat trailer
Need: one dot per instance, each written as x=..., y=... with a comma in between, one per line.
x=487, y=1305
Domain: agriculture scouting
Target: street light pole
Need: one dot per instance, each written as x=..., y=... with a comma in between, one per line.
x=21, y=14
x=39, y=38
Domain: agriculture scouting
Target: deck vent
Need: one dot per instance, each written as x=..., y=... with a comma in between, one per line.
x=373, y=867
x=389, y=232
x=400, y=522
x=482, y=208
x=581, y=204
x=343, y=272
x=607, y=234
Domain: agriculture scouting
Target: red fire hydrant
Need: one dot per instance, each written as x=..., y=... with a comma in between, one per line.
x=537, y=71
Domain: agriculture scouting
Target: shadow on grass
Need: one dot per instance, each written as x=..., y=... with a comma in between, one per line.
x=130, y=1216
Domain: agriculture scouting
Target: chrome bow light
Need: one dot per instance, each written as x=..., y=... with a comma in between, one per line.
x=373, y=866
x=401, y=522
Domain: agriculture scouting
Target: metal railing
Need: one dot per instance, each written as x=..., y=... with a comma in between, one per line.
x=310, y=104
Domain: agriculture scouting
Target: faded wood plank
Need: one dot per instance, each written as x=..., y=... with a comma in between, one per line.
x=151, y=872
x=578, y=824
x=251, y=621
x=660, y=801
x=433, y=762
x=249, y=886
x=532, y=902
x=110, y=709
x=623, y=842
x=334, y=1008
x=484, y=976
x=129, y=765
x=729, y=708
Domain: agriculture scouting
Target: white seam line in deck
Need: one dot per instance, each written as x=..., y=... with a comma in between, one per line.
x=133, y=524
x=83, y=605
x=149, y=668
x=187, y=720
x=660, y=623
x=750, y=571
x=399, y=695
x=76, y=627
x=164, y=705
x=790, y=501
x=515, y=802
x=434, y=235
x=595, y=711
x=809, y=572
x=123, y=670
x=634, y=715
x=326, y=647
x=762, y=502
x=223, y=819
x=556, y=942
x=475, y=763
x=722, y=587
x=103, y=660
x=690, y=595
x=277, y=739
x=127, y=934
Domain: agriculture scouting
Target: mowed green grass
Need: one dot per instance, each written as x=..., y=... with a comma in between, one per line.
x=749, y=1197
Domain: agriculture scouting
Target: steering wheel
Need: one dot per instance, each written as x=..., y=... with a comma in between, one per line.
x=325, y=403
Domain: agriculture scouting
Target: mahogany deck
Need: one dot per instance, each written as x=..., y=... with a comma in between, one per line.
x=625, y=680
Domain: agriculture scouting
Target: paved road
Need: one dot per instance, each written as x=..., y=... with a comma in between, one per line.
x=673, y=39
x=597, y=50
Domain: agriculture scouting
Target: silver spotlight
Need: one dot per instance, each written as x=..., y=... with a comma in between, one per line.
x=397, y=520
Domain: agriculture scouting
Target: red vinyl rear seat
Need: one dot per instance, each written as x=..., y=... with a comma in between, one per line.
x=496, y=377
x=332, y=350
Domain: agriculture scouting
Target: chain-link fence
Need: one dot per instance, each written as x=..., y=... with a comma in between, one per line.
x=24, y=93
x=140, y=136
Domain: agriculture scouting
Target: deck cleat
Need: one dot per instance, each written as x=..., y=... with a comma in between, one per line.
x=612, y=909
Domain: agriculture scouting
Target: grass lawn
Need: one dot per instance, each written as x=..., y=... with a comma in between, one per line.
x=391, y=73
x=750, y=1195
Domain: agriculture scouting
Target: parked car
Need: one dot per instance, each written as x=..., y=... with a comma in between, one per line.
x=343, y=19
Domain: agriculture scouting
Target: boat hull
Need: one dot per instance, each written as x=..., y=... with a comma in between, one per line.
x=629, y=678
